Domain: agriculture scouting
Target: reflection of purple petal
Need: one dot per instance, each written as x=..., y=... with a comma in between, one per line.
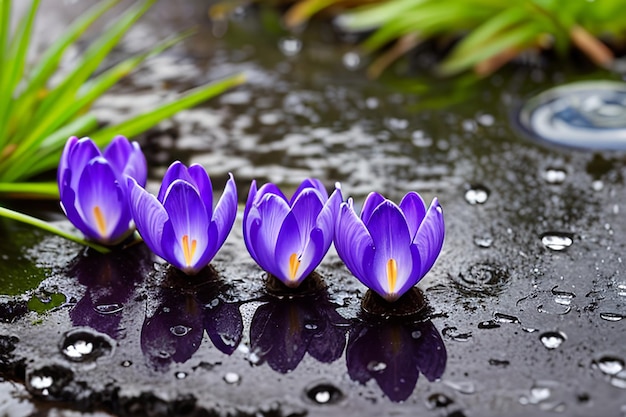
x=391, y=354
x=431, y=352
x=174, y=332
x=282, y=331
x=224, y=325
x=110, y=280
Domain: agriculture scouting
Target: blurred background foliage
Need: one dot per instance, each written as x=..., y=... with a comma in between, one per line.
x=473, y=35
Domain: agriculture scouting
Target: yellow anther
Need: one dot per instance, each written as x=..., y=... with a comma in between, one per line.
x=100, y=221
x=294, y=264
x=392, y=274
x=188, y=250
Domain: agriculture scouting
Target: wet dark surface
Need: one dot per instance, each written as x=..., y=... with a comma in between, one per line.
x=526, y=303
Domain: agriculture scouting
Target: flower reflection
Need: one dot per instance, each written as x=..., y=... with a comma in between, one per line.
x=394, y=353
x=110, y=280
x=283, y=330
x=174, y=332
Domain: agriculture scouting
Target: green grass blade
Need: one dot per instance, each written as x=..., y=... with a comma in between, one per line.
x=5, y=27
x=373, y=16
x=39, y=161
x=38, y=190
x=14, y=66
x=143, y=122
x=33, y=221
x=65, y=93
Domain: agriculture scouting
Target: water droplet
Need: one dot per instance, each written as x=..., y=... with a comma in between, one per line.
x=483, y=241
x=420, y=140
x=609, y=365
x=83, y=345
x=180, y=375
x=488, y=324
x=453, y=334
x=584, y=114
x=126, y=364
x=464, y=387
x=505, y=318
x=484, y=274
x=557, y=241
x=290, y=46
x=375, y=366
x=538, y=394
x=499, y=362
x=438, y=400
x=555, y=175
x=180, y=330
x=611, y=316
x=416, y=334
x=109, y=308
x=351, y=60
x=552, y=340
x=232, y=378
x=310, y=326
x=48, y=381
x=324, y=394
x=477, y=194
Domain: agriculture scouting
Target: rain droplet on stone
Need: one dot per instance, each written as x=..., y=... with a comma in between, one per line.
x=609, y=365
x=416, y=334
x=597, y=185
x=555, y=175
x=488, y=324
x=464, y=387
x=611, y=316
x=552, y=340
x=351, y=60
x=483, y=241
x=180, y=375
x=290, y=46
x=180, y=330
x=477, y=194
x=438, y=400
x=310, y=326
x=232, y=378
x=557, y=241
x=82, y=345
x=109, y=308
x=505, y=318
x=324, y=394
x=126, y=364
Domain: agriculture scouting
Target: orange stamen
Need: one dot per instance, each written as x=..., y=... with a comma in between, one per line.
x=294, y=264
x=392, y=274
x=100, y=221
x=188, y=250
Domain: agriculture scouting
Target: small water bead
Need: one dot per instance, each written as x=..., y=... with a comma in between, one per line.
x=290, y=46
x=375, y=366
x=454, y=334
x=438, y=400
x=419, y=139
x=483, y=241
x=324, y=394
x=611, y=316
x=555, y=176
x=464, y=387
x=597, y=185
x=416, y=334
x=351, y=60
x=109, y=308
x=557, y=241
x=180, y=375
x=180, y=330
x=83, y=345
x=477, y=194
x=488, y=324
x=552, y=340
x=232, y=378
x=126, y=364
x=505, y=318
x=48, y=381
x=609, y=365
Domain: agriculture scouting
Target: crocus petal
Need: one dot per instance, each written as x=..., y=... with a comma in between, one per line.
x=149, y=215
x=270, y=188
x=414, y=211
x=328, y=216
x=103, y=203
x=78, y=157
x=416, y=272
x=203, y=184
x=430, y=235
x=225, y=211
x=288, y=252
x=372, y=201
x=265, y=221
x=306, y=208
x=393, y=261
x=137, y=166
x=189, y=222
x=74, y=216
x=312, y=254
x=64, y=164
x=247, y=220
x=118, y=152
x=176, y=171
x=309, y=183
x=353, y=242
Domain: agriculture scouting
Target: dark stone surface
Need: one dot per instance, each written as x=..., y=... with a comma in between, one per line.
x=512, y=327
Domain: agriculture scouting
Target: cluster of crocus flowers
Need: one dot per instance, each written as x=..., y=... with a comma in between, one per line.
x=289, y=238
x=92, y=186
x=389, y=248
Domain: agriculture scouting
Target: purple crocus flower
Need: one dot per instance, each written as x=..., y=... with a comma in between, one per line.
x=181, y=225
x=92, y=186
x=390, y=247
x=289, y=238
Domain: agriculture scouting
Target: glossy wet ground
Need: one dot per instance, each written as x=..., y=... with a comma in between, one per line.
x=526, y=302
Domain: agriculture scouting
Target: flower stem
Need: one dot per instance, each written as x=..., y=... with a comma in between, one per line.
x=33, y=221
